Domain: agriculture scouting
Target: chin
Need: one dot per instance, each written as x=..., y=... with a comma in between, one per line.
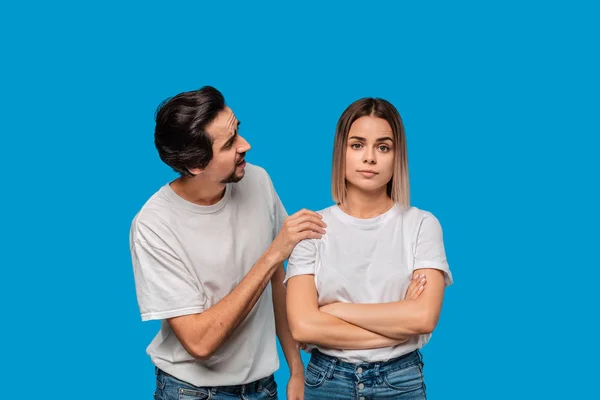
x=233, y=178
x=367, y=185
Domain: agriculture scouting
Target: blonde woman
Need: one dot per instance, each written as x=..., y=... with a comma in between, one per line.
x=367, y=295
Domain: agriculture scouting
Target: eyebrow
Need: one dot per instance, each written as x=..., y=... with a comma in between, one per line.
x=232, y=138
x=381, y=139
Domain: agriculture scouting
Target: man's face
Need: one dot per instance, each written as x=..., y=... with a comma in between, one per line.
x=229, y=149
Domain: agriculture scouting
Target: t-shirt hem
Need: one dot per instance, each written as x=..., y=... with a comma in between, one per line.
x=296, y=273
x=171, y=313
x=437, y=265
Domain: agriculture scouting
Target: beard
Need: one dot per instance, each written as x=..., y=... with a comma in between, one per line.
x=234, y=177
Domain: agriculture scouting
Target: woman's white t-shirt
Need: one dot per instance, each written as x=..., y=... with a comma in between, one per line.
x=370, y=261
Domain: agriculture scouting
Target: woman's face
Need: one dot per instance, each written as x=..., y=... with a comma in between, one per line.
x=370, y=154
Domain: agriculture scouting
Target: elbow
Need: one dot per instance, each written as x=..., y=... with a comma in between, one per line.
x=301, y=332
x=200, y=351
x=427, y=323
x=203, y=354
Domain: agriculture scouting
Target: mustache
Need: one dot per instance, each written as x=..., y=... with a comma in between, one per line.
x=241, y=160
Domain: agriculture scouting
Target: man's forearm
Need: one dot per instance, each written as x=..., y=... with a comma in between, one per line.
x=288, y=344
x=203, y=334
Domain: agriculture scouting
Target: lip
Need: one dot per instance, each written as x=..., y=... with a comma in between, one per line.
x=242, y=164
x=367, y=173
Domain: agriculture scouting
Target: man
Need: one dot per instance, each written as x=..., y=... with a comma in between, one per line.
x=207, y=253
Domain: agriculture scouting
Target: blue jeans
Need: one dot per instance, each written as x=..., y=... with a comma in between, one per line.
x=332, y=379
x=170, y=388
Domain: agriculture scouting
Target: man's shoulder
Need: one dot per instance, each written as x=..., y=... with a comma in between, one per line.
x=256, y=180
x=154, y=213
x=256, y=172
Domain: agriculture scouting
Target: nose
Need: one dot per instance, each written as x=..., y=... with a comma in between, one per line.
x=369, y=156
x=243, y=145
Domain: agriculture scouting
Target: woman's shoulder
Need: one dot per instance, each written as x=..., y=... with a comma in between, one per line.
x=326, y=212
x=415, y=218
x=413, y=212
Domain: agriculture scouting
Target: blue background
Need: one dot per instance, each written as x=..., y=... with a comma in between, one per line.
x=500, y=103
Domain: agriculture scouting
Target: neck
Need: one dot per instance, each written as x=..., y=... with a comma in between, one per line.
x=198, y=190
x=362, y=204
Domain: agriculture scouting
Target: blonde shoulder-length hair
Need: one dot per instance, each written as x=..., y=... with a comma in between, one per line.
x=398, y=187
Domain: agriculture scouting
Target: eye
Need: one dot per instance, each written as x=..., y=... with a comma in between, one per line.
x=384, y=148
x=356, y=145
x=230, y=143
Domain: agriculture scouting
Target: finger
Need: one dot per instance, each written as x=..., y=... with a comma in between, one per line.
x=308, y=235
x=415, y=284
x=413, y=292
x=304, y=212
x=312, y=216
x=418, y=278
x=309, y=218
x=311, y=226
x=416, y=281
x=412, y=288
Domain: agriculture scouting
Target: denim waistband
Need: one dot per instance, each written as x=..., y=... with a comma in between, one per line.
x=251, y=387
x=328, y=364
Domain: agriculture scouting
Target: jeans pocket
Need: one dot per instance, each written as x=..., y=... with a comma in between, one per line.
x=313, y=377
x=405, y=379
x=270, y=388
x=160, y=385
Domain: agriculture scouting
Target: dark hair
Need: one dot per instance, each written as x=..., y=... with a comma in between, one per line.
x=180, y=136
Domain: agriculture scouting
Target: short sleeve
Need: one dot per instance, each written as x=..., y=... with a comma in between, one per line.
x=429, y=248
x=302, y=261
x=164, y=286
x=279, y=214
x=278, y=211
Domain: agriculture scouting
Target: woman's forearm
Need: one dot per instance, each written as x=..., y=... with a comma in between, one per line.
x=395, y=320
x=401, y=318
x=326, y=330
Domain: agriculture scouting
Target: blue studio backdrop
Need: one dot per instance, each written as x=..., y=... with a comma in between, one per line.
x=500, y=104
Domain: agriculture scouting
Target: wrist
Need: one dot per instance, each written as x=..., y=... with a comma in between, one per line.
x=272, y=258
x=297, y=369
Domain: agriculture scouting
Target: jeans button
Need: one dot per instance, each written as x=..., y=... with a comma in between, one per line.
x=359, y=370
x=361, y=386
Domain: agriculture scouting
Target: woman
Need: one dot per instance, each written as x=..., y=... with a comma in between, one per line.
x=366, y=297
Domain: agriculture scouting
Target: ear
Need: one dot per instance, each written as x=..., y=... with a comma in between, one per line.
x=196, y=171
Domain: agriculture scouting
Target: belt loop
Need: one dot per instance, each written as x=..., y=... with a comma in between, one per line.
x=331, y=368
x=377, y=374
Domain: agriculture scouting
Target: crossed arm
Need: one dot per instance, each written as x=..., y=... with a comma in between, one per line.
x=363, y=326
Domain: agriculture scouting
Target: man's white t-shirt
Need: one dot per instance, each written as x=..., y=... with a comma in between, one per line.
x=370, y=261
x=187, y=257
